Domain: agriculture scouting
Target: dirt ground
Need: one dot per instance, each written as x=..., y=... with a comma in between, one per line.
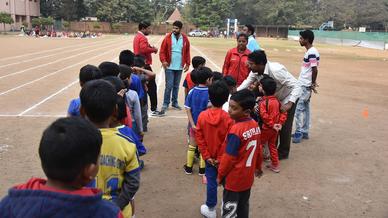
x=340, y=172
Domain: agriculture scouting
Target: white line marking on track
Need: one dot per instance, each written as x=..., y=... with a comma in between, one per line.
x=53, y=95
x=48, y=98
x=41, y=57
x=201, y=53
x=33, y=81
x=42, y=52
x=34, y=115
x=59, y=60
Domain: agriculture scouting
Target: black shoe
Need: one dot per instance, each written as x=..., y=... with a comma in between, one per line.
x=283, y=157
x=201, y=171
x=188, y=170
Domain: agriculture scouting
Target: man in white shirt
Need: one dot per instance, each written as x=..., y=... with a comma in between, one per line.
x=307, y=79
x=288, y=90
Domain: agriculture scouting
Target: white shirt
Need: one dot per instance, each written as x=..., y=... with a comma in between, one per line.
x=310, y=60
x=288, y=87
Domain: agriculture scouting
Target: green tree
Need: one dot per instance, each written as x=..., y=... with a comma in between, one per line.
x=5, y=18
x=209, y=13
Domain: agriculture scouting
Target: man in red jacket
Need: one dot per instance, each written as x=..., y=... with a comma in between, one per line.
x=175, y=57
x=141, y=46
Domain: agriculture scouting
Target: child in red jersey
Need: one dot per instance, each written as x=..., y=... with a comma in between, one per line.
x=272, y=118
x=212, y=126
x=242, y=158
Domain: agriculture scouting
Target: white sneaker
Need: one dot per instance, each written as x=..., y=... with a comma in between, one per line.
x=207, y=212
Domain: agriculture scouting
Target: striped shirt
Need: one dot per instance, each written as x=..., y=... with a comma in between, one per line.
x=310, y=60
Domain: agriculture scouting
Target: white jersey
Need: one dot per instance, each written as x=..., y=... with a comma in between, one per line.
x=310, y=60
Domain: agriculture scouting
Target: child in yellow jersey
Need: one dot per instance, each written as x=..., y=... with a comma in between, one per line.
x=119, y=174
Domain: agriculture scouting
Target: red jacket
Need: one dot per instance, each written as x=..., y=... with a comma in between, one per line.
x=166, y=47
x=212, y=127
x=142, y=47
x=235, y=65
x=273, y=115
x=242, y=156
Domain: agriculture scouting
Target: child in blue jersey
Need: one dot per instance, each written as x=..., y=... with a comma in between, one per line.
x=69, y=151
x=197, y=101
x=119, y=173
x=87, y=73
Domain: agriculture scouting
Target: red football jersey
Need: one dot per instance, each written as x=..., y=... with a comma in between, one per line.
x=242, y=156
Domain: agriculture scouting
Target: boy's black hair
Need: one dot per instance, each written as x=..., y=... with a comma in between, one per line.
x=88, y=73
x=218, y=93
x=67, y=146
x=119, y=85
x=193, y=76
x=178, y=24
x=125, y=71
x=126, y=57
x=217, y=76
x=99, y=99
x=116, y=82
x=307, y=34
x=250, y=28
x=109, y=69
x=230, y=81
x=244, y=98
x=203, y=74
x=139, y=61
x=258, y=57
x=198, y=60
x=269, y=85
x=144, y=24
x=242, y=35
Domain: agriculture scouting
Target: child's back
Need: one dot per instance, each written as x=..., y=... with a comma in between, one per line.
x=35, y=199
x=69, y=152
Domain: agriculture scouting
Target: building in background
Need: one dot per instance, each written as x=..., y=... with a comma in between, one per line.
x=21, y=11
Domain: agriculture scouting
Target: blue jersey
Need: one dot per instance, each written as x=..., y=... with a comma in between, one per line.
x=137, y=86
x=197, y=100
x=74, y=107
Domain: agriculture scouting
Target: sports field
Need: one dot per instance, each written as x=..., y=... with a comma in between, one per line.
x=340, y=172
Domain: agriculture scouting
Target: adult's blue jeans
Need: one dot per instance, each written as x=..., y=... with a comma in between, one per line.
x=173, y=79
x=211, y=188
x=302, y=114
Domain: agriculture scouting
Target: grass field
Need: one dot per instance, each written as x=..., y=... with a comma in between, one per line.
x=340, y=172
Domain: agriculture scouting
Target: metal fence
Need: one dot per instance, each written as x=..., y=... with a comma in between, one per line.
x=375, y=40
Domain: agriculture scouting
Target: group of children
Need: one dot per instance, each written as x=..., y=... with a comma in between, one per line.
x=230, y=129
x=93, y=154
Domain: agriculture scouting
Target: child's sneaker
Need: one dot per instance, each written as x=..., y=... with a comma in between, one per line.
x=297, y=138
x=201, y=171
x=305, y=136
x=273, y=168
x=188, y=170
x=207, y=212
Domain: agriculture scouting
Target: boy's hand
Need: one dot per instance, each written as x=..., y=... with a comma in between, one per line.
x=165, y=65
x=218, y=182
x=277, y=127
x=211, y=161
x=138, y=69
x=156, y=49
x=258, y=173
x=314, y=87
x=122, y=92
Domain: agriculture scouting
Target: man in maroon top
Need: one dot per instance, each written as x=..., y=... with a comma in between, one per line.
x=141, y=46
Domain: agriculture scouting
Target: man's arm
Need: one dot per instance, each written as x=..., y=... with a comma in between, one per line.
x=252, y=77
x=145, y=47
x=286, y=78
